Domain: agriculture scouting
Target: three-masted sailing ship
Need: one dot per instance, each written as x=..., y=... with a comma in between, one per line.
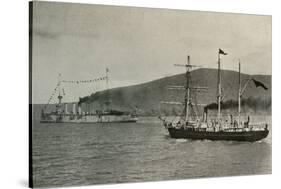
x=191, y=127
x=62, y=114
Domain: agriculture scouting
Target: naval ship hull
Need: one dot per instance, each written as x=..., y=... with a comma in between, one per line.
x=250, y=136
x=88, y=119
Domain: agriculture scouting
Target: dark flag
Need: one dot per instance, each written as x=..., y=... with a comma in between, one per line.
x=259, y=84
x=222, y=52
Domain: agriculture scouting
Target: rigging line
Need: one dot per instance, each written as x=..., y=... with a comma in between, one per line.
x=193, y=112
x=195, y=109
x=51, y=97
x=228, y=87
x=194, y=96
x=196, y=106
x=85, y=81
x=182, y=114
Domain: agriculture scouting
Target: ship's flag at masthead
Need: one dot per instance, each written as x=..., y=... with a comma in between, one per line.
x=222, y=52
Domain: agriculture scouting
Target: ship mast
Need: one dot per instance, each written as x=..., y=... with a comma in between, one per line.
x=219, y=86
x=241, y=92
x=60, y=96
x=107, y=78
x=239, y=95
x=187, y=88
x=107, y=89
x=187, y=95
x=219, y=83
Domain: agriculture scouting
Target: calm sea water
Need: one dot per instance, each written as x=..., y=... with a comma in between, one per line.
x=84, y=154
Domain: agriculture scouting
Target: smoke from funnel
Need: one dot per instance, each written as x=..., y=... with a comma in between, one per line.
x=224, y=105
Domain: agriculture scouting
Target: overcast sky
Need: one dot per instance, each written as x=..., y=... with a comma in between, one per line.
x=138, y=44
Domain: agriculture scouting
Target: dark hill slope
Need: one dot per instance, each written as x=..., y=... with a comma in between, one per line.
x=147, y=96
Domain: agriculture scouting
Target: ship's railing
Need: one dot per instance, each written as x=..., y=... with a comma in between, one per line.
x=216, y=126
x=258, y=126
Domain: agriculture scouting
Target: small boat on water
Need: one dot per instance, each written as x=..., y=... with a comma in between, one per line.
x=61, y=114
x=189, y=126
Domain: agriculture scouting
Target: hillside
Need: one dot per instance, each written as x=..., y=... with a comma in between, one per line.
x=147, y=96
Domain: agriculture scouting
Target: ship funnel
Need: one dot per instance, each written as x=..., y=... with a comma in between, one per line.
x=73, y=109
x=79, y=110
x=205, y=115
x=66, y=110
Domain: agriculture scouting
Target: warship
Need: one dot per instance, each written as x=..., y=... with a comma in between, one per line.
x=62, y=114
x=190, y=126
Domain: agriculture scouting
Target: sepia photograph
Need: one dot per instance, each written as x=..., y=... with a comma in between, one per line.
x=122, y=94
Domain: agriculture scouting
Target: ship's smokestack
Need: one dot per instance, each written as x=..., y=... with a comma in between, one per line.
x=79, y=110
x=74, y=108
x=205, y=115
x=66, y=110
x=231, y=119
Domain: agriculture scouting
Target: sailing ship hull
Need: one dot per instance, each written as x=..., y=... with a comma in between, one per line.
x=250, y=136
